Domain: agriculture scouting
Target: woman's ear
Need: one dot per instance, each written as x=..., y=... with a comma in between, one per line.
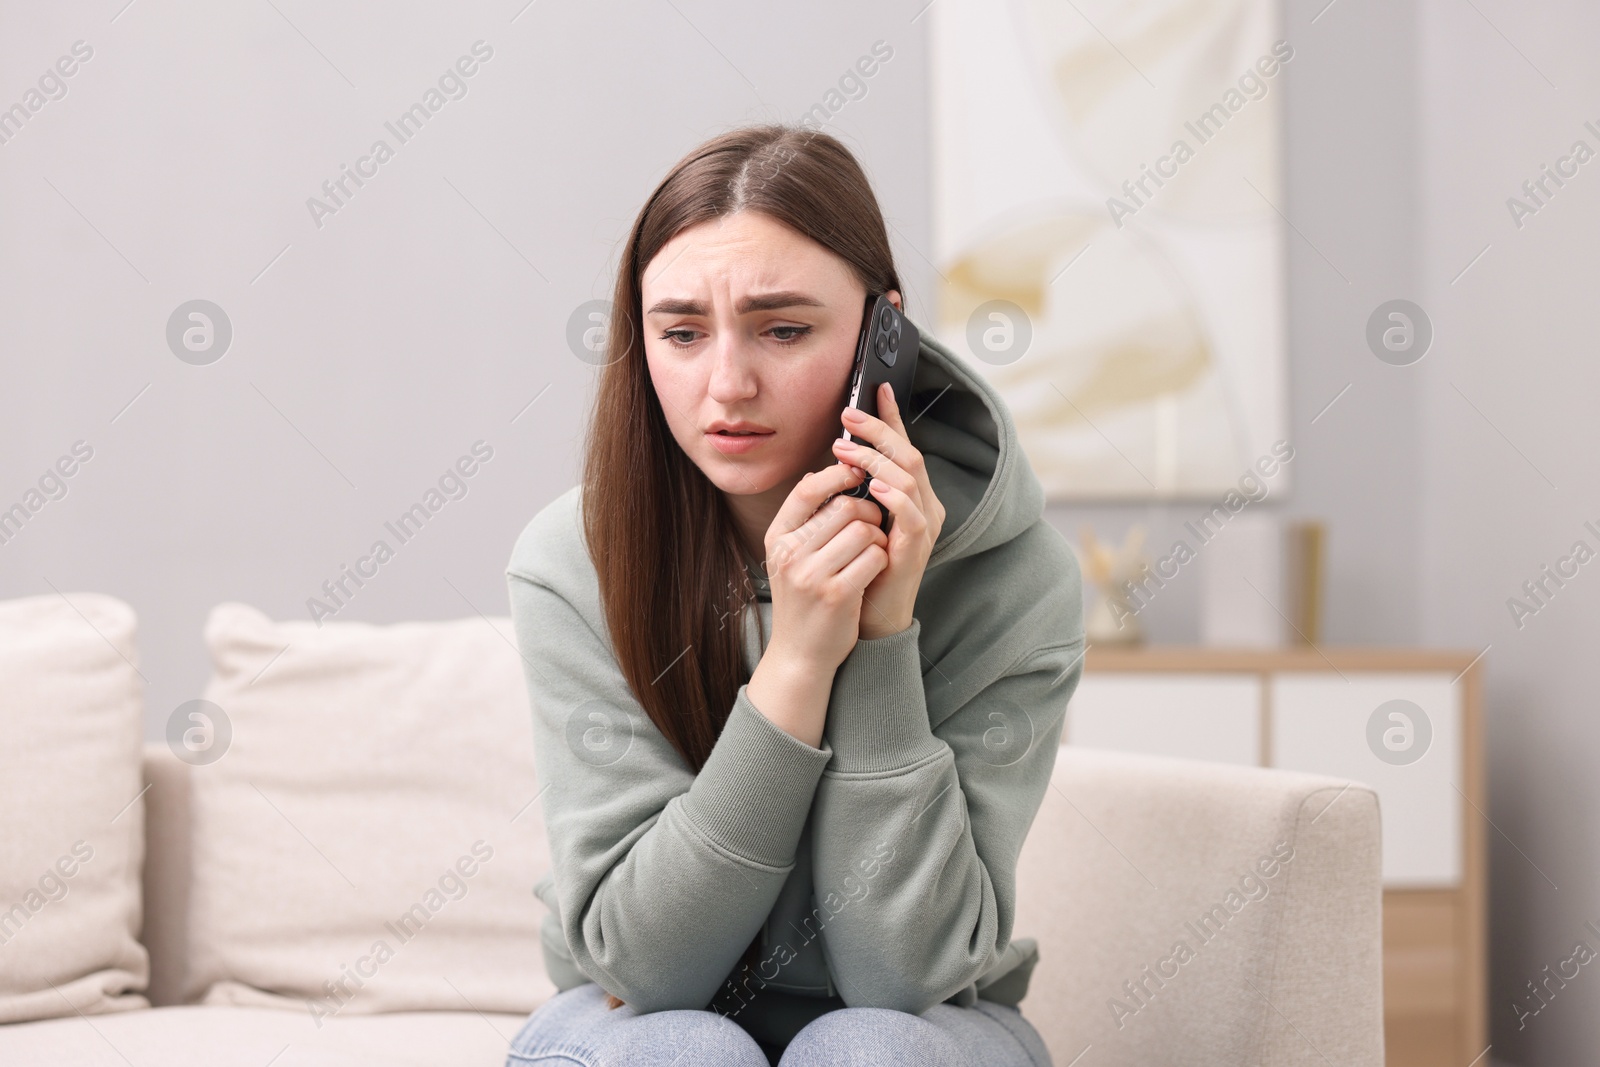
x=894, y=298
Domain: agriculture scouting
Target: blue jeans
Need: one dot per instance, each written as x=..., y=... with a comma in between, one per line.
x=574, y=1029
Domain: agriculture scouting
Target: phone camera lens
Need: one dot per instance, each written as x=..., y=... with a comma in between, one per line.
x=886, y=319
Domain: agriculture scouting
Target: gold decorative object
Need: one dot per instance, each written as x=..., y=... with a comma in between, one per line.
x=1111, y=618
x=1303, y=570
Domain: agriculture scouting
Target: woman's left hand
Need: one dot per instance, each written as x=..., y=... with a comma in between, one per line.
x=900, y=483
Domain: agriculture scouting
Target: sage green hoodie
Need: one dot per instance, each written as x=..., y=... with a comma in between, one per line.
x=879, y=869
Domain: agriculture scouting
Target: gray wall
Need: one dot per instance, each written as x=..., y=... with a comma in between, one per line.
x=370, y=353
x=1509, y=475
x=424, y=315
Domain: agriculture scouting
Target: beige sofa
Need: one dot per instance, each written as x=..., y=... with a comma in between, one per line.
x=1127, y=856
x=1186, y=912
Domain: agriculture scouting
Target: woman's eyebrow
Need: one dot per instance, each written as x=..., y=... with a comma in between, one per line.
x=756, y=302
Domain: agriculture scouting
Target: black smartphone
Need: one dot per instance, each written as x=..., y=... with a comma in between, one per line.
x=886, y=351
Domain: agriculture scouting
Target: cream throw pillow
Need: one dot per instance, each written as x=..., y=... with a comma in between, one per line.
x=72, y=808
x=370, y=838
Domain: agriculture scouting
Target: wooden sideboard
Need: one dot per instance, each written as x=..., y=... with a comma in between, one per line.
x=1407, y=723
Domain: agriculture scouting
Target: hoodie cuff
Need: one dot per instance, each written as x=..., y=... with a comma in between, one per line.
x=754, y=793
x=878, y=712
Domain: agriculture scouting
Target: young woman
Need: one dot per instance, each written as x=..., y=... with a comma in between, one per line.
x=789, y=757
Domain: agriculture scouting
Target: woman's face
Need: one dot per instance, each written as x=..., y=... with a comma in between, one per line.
x=748, y=322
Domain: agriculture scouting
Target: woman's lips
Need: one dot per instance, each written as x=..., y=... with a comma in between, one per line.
x=733, y=444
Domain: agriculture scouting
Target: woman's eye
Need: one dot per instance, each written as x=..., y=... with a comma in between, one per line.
x=791, y=334
x=784, y=335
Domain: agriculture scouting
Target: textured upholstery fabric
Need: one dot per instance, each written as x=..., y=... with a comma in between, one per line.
x=213, y=1036
x=1309, y=946
x=386, y=745
x=1133, y=856
x=370, y=840
x=71, y=708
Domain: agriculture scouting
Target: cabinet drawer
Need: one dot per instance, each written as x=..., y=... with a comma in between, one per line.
x=1398, y=732
x=1192, y=716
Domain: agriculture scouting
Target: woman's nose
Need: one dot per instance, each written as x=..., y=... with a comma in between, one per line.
x=732, y=370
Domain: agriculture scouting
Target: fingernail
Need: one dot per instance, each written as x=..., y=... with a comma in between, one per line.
x=854, y=414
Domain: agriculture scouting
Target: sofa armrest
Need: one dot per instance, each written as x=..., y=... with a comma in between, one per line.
x=1203, y=912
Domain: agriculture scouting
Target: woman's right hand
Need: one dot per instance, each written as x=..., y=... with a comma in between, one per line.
x=820, y=558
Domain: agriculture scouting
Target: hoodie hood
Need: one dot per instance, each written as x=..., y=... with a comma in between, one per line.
x=975, y=464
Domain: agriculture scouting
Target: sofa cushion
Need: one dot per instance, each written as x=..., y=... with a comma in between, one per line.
x=254, y=1037
x=370, y=838
x=71, y=709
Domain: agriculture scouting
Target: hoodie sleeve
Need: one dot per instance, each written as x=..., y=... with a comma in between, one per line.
x=662, y=876
x=931, y=819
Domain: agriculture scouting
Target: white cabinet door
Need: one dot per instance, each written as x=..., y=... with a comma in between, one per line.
x=1193, y=716
x=1398, y=732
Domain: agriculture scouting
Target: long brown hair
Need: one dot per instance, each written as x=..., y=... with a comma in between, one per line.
x=665, y=548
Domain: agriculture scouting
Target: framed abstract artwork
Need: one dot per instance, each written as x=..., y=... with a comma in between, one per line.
x=1109, y=228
